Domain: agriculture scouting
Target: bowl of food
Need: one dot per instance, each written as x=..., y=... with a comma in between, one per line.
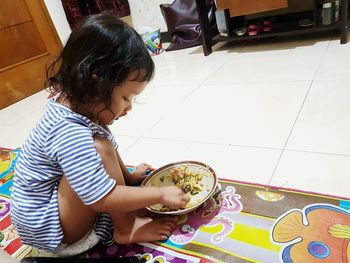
x=195, y=178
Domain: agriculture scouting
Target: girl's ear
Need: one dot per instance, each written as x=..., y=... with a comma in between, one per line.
x=94, y=76
x=52, y=94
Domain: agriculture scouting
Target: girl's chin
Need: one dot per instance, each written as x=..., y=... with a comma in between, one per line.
x=112, y=121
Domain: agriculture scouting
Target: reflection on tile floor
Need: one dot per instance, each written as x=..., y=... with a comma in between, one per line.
x=273, y=112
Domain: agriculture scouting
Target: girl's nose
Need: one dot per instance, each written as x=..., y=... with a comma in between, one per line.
x=129, y=107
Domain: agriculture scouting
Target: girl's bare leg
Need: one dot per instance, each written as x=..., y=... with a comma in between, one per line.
x=76, y=218
x=131, y=227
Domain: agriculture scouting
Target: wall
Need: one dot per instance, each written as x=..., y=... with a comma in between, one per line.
x=143, y=13
x=147, y=13
x=59, y=19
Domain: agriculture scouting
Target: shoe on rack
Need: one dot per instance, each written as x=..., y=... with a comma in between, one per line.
x=253, y=30
x=267, y=26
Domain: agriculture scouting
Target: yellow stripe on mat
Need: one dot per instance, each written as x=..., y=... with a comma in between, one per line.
x=247, y=234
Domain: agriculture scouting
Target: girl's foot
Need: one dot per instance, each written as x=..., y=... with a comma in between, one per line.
x=145, y=229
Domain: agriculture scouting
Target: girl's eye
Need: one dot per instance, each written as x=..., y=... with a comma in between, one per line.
x=133, y=99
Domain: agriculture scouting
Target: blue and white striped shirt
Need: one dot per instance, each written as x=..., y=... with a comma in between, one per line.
x=60, y=144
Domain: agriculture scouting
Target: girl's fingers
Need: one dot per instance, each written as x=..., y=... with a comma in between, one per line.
x=170, y=226
x=172, y=220
x=166, y=233
x=164, y=237
x=146, y=166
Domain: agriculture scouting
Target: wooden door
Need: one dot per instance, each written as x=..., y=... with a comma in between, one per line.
x=28, y=40
x=246, y=7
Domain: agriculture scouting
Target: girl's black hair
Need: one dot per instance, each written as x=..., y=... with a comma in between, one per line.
x=99, y=55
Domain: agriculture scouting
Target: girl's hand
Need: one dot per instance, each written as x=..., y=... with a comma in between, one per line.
x=174, y=197
x=139, y=173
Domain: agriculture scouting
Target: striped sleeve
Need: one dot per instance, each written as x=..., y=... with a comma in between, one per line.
x=70, y=144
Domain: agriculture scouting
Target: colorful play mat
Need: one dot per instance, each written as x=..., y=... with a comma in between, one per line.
x=241, y=223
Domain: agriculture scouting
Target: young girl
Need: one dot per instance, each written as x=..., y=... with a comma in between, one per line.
x=70, y=185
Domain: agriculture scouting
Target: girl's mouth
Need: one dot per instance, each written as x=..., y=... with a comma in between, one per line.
x=121, y=115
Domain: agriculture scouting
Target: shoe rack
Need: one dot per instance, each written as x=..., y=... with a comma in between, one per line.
x=242, y=28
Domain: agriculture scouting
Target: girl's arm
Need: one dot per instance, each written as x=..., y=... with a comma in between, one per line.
x=135, y=177
x=129, y=198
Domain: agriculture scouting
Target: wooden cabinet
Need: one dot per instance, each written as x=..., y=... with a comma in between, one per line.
x=246, y=7
x=28, y=40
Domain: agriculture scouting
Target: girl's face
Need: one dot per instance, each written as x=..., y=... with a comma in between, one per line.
x=122, y=98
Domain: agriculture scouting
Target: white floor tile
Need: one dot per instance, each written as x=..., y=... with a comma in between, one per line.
x=20, y=110
x=151, y=106
x=324, y=122
x=125, y=142
x=335, y=64
x=13, y=137
x=256, y=114
x=272, y=61
x=190, y=67
x=236, y=163
x=244, y=94
x=321, y=173
x=6, y=258
x=28, y=120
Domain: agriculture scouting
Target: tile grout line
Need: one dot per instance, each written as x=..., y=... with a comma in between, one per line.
x=211, y=143
x=195, y=89
x=174, y=107
x=131, y=145
x=183, y=101
x=324, y=153
x=169, y=112
x=297, y=117
x=239, y=145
